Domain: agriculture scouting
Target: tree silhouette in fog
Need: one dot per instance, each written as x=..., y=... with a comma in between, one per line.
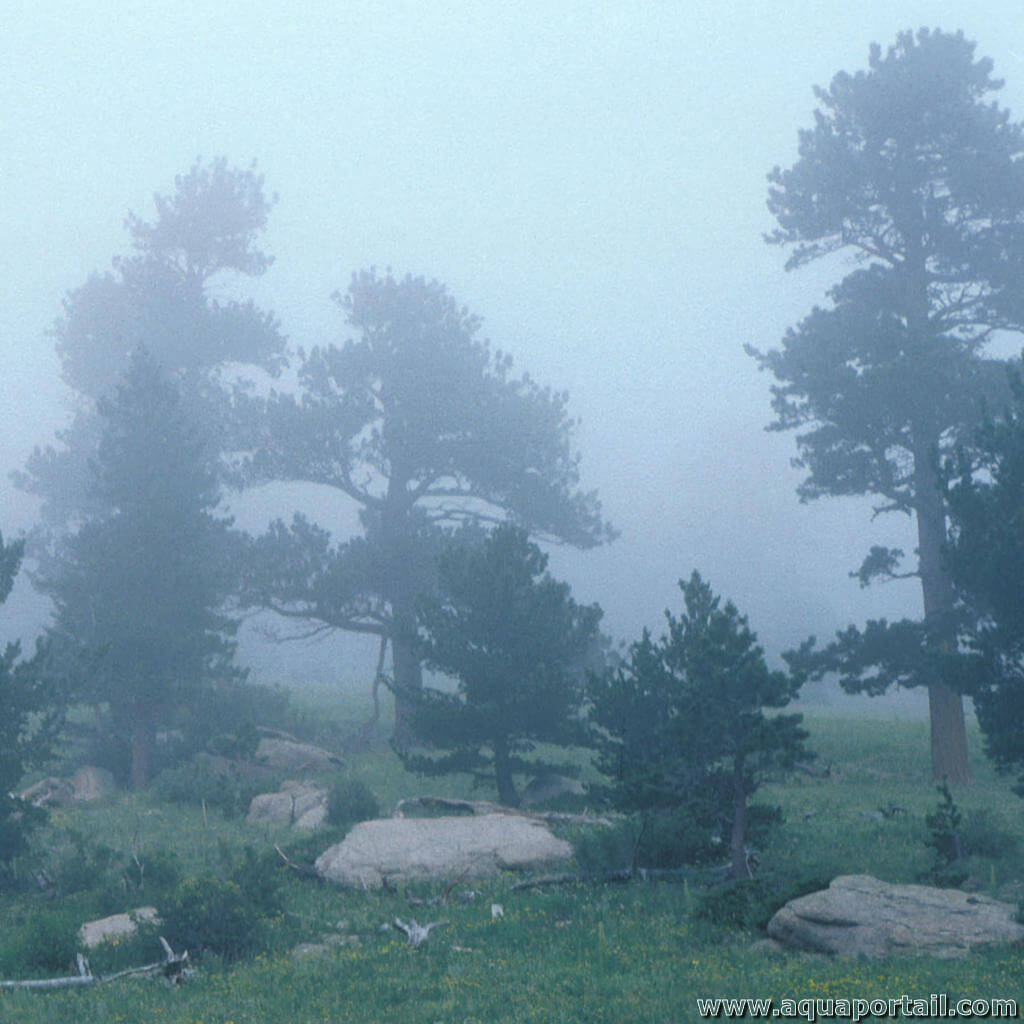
x=912, y=170
x=424, y=426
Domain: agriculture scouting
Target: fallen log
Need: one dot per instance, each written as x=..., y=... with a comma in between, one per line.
x=173, y=967
x=83, y=978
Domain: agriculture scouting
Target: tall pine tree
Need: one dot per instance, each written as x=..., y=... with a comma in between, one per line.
x=139, y=588
x=914, y=171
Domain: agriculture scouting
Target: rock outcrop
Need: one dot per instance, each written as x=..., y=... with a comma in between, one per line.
x=860, y=915
x=87, y=785
x=292, y=756
x=91, y=783
x=416, y=848
x=301, y=804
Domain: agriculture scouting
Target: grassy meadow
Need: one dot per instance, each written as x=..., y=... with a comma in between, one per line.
x=622, y=953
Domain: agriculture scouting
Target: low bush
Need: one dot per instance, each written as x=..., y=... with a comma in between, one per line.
x=752, y=902
x=78, y=863
x=231, y=917
x=983, y=835
x=601, y=849
x=349, y=801
x=304, y=847
x=204, y=781
x=45, y=945
x=210, y=915
x=131, y=951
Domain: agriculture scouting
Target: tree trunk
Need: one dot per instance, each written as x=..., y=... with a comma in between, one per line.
x=945, y=705
x=400, y=547
x=507, y=794
x=738, y=841
x=408, y=681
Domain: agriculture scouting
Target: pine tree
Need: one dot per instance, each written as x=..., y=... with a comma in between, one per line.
x=682, y=722
x=517, y=645
x=140, y=586
x=912, y=170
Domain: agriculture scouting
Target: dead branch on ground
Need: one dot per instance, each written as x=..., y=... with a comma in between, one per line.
x=416, y=933
x=173, y=967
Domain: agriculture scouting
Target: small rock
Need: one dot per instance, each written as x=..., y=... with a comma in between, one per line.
x=49, y=792
x=302, y=804
x=117, y=926
x=91, y=783
x=497, y=911
x=292, y=756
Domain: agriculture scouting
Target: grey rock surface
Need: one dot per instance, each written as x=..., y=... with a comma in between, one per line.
x=293, y=756
x=116, y=926
x=860, y=915
x=91, y=783
x=301, y=804
x=411, y=848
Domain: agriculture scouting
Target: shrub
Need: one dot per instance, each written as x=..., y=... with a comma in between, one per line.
x=230, y=917
x=46, y=944
x=130, y=951
x=77, y=863
x=605, y=848
x=210, y=915
x=984, y=836
x=674, y=838
x=751, y=902
x=350, y=800
x=944, y=827
x=738, y=903
x=304, y=847
x=203, y=780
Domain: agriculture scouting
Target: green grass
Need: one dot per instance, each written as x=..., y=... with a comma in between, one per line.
x=619, y=953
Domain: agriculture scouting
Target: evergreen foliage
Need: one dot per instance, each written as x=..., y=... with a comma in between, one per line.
x=159, y=298
x=517, y=644
x=914, y=171
x=986, y=559
x=420, y=423
x=139, y=589
x=27, y=722
x=682, y=721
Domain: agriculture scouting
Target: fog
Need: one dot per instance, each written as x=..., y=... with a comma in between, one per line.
x=589, y=178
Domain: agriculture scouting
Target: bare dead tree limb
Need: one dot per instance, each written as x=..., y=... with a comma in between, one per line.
x=173, y=967
x=304, y=870
x=416, y=933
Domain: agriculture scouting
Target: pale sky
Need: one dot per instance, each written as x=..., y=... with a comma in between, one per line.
x=589, y=178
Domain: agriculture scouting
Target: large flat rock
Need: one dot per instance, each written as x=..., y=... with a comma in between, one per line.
x=860, y=915
x=410, y=848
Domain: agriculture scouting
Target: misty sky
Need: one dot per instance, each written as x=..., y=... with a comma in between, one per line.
x=587, y=177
